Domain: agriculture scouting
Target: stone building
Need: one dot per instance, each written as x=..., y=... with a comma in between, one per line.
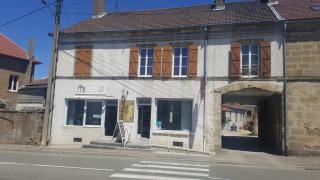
x=302, y=18
x=174, y=68
x=15, y=70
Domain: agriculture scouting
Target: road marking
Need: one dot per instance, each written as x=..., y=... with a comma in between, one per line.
x=54, y=166
x=175, y=164
x=165, y=172
x=169, y=167
x=135, y=176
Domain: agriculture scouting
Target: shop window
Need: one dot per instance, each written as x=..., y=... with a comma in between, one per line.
x=83, y=112
x=174, y=115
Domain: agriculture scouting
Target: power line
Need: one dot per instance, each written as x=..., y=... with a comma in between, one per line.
x=28, y=14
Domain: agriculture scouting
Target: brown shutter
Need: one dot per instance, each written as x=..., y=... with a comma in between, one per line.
x=83, y=59
x=234, y=68
x=265, y=59
x=133, y=62
x=156, y=68
x=193, y=60
x=167, y=61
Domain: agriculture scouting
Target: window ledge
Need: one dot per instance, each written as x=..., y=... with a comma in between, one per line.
x=171, y=133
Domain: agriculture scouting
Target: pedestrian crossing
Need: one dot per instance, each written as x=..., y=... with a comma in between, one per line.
x=154, y=170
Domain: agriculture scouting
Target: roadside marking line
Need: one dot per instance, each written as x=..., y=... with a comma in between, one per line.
x=214, y=178
x=170, y=167
x=134, y=176
x=181, y=154
x=165, y=172
x=53, y=166
x=175, y=164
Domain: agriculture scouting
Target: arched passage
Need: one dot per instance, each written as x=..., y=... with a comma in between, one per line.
x=231, y=109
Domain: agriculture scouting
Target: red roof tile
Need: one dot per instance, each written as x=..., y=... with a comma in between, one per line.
x=10, y=48
x=203, y=15
x=43, y=81
x=297, y=9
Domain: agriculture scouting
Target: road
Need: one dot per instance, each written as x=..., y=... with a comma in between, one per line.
x=16, y=165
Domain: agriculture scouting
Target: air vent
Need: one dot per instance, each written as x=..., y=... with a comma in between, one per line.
x=177, y=144
x=316, y=8
x=77, y=139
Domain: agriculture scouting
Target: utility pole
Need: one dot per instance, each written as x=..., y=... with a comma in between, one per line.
x=29, y=74
x=46, y=132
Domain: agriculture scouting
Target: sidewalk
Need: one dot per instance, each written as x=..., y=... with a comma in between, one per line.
x=225, y=156
x=265, y=159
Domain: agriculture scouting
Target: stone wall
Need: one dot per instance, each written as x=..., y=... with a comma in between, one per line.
x=303, y=118
x=20, y=127
x=303, y=63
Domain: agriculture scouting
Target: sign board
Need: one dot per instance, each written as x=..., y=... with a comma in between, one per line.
x=127, y=111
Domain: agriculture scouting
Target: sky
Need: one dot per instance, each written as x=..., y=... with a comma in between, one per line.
x=38, y=25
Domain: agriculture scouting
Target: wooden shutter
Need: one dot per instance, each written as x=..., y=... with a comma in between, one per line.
x=234, y=67
x=156, y=68
x=193, y=60
x=265, y=59
x=167, y=61
x=133, y=62
x=83, y=59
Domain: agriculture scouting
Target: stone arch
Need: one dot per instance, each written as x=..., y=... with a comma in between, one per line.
x=232, y=87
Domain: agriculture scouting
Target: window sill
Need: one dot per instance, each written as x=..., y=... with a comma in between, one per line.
x=13, y=91
x=86, y=126
x=171, y=133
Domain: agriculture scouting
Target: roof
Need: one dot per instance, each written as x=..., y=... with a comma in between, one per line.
x=229, y=107
x=297, y=9
x=201, y=15
x=43, y=81
x=12, y=49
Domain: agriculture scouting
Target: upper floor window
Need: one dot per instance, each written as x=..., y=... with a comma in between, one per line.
x=13, y=83
x=250, y=60
x=146, y=62
x=180, y=63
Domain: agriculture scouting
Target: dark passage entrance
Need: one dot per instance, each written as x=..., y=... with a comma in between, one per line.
x=111, y=117
x=144, y=116
x=254, y=130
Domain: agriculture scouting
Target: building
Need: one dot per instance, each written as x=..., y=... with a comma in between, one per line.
x=171, y=69
x=32, y=97
x=15, y=70
x=302, y=20
x=233, y=116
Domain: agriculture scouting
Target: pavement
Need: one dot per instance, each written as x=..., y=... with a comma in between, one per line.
x=74, y=163
x=225, y=156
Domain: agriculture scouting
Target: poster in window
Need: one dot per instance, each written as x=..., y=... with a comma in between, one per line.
x=127, y=111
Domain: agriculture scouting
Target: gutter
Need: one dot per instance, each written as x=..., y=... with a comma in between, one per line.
x=205, y=79
x=285, y=89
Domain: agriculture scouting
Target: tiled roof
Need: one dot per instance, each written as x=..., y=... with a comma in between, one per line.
x=10, y=48
x=43, y=81
x=297, y=9
x=202, y=15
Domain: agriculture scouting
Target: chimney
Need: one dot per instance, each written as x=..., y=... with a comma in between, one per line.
x=219, y=5
x=99, y=8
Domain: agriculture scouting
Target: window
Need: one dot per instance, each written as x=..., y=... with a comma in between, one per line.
x=248, y=113
x=83, y=59
x=250, y=60
x=180, y=64
x=13, y=83
x=146, y=62
x=174, y=115
x=75, y=112
x=83, y=112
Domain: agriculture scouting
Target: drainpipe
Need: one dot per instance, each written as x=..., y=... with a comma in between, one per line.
x=285, y=89
x=205, y=79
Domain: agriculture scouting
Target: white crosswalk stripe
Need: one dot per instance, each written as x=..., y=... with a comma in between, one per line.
x=153, y=170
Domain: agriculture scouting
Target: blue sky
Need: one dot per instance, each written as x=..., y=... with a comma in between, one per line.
x=40, y=24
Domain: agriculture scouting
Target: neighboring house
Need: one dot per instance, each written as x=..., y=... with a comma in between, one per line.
x=15, y=70
x=175, y=68
x=302, y=18
x=233, y=116
x=32, y=97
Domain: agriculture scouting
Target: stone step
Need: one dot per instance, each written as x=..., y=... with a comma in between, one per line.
x=114, y=145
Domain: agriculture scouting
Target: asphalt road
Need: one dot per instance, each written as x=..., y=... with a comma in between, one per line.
x=16, y=165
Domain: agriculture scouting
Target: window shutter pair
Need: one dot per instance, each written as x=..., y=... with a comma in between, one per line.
x=83, y=60
x=265, y=60
x=162, y=61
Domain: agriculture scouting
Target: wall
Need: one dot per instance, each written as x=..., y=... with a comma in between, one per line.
x=303, y=63
x=31, y=98
x=11, y=66
x=20, y=128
